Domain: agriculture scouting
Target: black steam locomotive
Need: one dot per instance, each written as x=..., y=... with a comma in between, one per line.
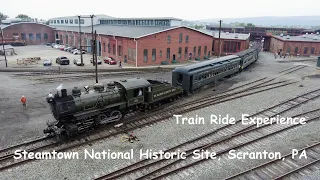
x=82, y=110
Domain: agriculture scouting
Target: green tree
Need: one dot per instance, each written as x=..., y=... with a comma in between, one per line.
x=250, y=25
x=23, y=16
x=3, y=16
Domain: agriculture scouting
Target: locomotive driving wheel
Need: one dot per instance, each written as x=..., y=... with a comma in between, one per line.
x=116, y=114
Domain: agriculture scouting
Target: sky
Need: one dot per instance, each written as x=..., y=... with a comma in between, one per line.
x=187, y=9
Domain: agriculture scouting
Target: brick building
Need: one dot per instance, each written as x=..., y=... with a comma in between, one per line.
x=149, y=45
x=31, y=33
x=137, y=41
x=305, y=45
x=231, y=43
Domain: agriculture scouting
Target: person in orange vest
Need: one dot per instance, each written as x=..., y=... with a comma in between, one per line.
x=24, y=102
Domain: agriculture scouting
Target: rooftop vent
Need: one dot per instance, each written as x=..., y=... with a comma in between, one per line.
x=288, y=37
x=317, y=33
x=306, y=33
x=281, y=35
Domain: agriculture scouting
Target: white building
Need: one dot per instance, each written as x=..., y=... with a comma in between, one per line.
x=108, y=20
x=85, y=20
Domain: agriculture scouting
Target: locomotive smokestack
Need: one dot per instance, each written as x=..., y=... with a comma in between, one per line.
x=64, y=92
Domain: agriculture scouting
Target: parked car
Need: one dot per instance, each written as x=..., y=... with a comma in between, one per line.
x=76, y=51
x=77, y=62
x=65, y=48
x=71, y=49
x=61, y=47
x=56, y=46
x=107, y=59
x=62, y=60
x=53, y=44
x=47, y=62
x=112, y=62
x=99, y=61
x=48, y=44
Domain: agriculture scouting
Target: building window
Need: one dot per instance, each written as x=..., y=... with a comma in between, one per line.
x=169, y=39
x=54, y=21
x=205, y=50
x=76, y=21
x=288, y=49
x=187, y=39
x=71, y=21
x=45, y=36
x=145, y=55
x=66, y=21
x=62, y=21
x=134, y=54
x=312, y=50
x=81, y=21
x=129, y=54
x=23, y=36
x=104, y=47
x=114, y=49
x=296, y=50
x=51, y=21
x=160, y=53
x=58, y=21
x=194, y=51
x=179, y=52
x=119, y=50
x=186, y=52
x=154, y=55
x=31, y=36
x=38, y=36
x=199, y=51
x=168, y=53
x=109, y=48
x=180, y=38
x=305, y=50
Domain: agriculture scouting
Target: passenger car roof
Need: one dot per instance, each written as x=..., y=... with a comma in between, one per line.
x=186, y=69
x=133, y=83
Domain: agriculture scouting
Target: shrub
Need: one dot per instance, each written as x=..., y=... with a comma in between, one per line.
x=174, y=61
x=164, y=62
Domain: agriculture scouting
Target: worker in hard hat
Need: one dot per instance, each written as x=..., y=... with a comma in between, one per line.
x=24, y=102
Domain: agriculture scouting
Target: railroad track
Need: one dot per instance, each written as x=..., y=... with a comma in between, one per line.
x=258, y=82
x=278, y=168
x=221, y=141
x=7, y=161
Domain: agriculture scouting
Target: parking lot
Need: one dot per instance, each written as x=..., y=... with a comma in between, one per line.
x=47, y=52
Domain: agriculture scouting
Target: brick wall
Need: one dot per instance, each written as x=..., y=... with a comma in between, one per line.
x=244, y=44
x=124, y=49
x=295, y=47
x=34, y=33
x=159, y=42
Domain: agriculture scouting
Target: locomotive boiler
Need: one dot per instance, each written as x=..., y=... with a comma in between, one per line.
x=81, y=111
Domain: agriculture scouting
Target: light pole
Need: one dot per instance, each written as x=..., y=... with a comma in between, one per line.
x=4, y=50
x=219, y=38
x=80, y=41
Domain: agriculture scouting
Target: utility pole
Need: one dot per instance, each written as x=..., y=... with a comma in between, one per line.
x=95, y=54
x=81, y=56
x=219, y=38
x=93, y=44
x=4, y=50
